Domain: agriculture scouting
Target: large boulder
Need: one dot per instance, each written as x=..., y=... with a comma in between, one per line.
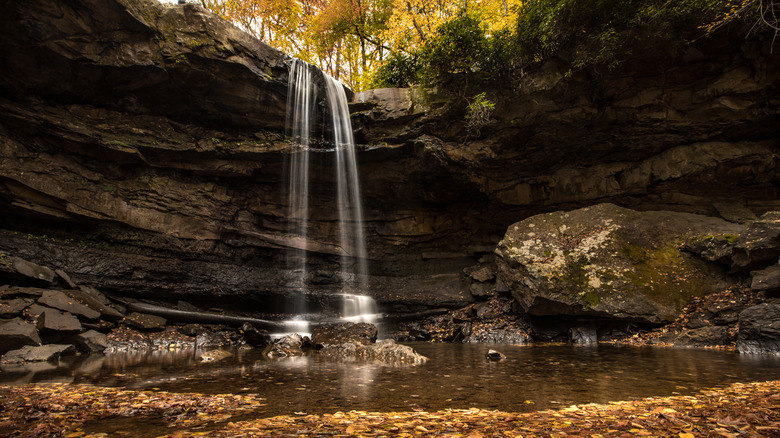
x=609, y=261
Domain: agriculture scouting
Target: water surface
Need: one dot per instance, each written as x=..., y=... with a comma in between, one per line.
x=456, y=376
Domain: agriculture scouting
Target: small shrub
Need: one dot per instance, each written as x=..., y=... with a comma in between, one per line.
x=479, y=113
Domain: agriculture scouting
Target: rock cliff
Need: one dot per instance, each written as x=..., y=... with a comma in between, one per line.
x=142, y=150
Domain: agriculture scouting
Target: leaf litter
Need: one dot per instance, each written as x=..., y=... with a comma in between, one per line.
x=65, y=410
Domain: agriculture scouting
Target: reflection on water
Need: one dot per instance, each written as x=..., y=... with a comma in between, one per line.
x=456, y=376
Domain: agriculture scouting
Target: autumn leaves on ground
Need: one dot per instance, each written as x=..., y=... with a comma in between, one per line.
x=744, y=410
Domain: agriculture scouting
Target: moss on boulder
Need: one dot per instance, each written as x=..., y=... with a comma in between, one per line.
x=609, y=261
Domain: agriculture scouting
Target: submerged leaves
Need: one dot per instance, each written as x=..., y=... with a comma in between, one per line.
x=751, y=409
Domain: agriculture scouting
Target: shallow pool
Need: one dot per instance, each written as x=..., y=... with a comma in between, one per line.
x=456, y=376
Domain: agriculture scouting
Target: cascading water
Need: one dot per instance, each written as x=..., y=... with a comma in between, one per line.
x=301, y=111
x=301, y=102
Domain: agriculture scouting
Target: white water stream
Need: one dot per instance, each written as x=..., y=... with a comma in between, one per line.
x=301, y=114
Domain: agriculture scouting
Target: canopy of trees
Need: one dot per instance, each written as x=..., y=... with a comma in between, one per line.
x=371, y=43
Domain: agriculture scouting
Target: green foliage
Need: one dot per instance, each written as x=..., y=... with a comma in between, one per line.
x=479, y=113
x=460, y=45
x=601, y=32
x=400, y=70
x=583, y=32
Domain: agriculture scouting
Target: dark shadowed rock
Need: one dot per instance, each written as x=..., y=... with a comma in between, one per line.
x=145, y=321
x=42, y=353
x=767, y=280
x=361, y=333
x=59, y=300
x=494, y=355
x=609, y=261
x=12, y=308
x=30, y=273
x=16, y=333
x=759, y=329
x=66, y=278
x=89, y=341
x=253, y=336
x=584, y=335
x=759, y=245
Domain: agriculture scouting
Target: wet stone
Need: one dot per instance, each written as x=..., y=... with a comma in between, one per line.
x=494, y=355
x=254, y=337
x=215, y=355
x=287, y=346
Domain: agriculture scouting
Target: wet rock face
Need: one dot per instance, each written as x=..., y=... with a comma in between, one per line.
x=609, y=261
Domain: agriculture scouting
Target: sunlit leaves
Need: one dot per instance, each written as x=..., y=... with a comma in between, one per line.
x=79, y=410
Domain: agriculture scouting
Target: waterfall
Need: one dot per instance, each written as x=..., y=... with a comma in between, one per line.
x=301, y=101
x=351, y=237
x=301, y=112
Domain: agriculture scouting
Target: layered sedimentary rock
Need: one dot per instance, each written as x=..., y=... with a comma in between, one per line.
x=142, y=150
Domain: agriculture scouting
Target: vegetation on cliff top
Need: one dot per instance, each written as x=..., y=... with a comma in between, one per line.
x=400, y=42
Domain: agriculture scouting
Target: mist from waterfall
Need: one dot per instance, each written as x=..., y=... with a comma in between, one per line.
x=301, y=113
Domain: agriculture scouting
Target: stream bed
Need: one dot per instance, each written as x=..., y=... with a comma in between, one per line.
x=456, y=376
